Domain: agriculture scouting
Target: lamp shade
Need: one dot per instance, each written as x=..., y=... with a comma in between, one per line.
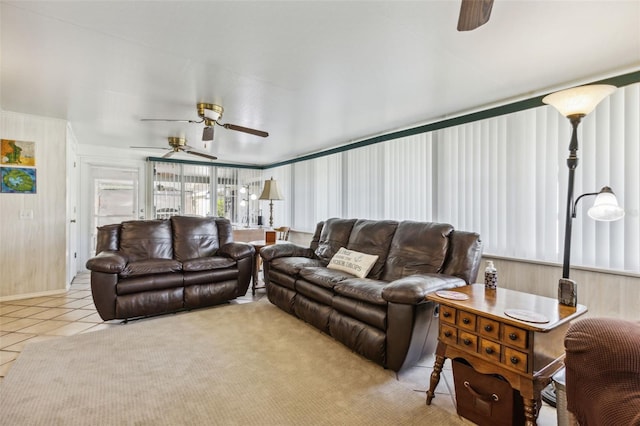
x=579, y=100
x=605, y=207
x=271, y=191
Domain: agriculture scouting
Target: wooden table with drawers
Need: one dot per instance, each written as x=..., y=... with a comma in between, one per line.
x=525, y=353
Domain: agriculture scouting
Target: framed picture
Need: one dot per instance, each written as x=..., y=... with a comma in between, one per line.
x=17, y=180
x=17, y=153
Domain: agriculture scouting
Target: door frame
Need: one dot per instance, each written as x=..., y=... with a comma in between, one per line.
x=87, y=165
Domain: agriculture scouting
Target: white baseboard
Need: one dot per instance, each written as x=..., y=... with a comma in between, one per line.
x=32, y=295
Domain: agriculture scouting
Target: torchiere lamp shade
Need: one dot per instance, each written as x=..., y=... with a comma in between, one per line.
x=579, y=100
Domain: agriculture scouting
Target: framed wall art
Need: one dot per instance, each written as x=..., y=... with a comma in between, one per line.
x=17, y=180
x=17, y=153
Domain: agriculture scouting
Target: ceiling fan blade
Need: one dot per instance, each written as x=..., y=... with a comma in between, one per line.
x=474, y=13
x=146, y=147
x=245, y=130
x=169, y=154
x=207, y=133
x=190, y=150
x=171, y=120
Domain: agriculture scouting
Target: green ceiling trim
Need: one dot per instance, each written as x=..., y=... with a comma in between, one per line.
x=618, y=81
x=206, y=163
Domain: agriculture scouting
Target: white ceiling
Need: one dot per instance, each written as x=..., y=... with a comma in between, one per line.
x=314, y=74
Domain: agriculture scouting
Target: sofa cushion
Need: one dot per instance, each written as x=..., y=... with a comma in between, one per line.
x=364, y=289
x=417, y=248
x=146, y=239
x=373, y=237
x=194, y=237
x=108, y=237
x=315, y=292
x=375, y=315
x=144, y=283
x=225, y=230
x=151, y=266
x=353, y=262
x=293, y=265
x=324, y=277
x=207, y=263
x=335, y=234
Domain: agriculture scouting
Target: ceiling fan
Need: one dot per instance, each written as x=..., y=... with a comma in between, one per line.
x=209, y=115
x=474, y=13
x=179, y=145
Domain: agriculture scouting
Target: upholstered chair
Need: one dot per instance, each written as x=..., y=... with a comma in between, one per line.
x=603, y=372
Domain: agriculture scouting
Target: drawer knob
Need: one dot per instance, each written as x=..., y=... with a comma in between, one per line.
x=466, y=320
x=489, y=350
x=447, y=333
x=488, y=327
x=514, y=360
x=513, y=336
x=446, y=314
x=466, y=342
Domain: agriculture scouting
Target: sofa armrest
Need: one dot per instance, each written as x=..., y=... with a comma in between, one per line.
x=413, y=289
x=236, y=250
x=110, y=262
x=268, y=253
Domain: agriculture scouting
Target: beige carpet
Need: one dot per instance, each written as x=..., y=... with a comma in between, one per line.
x=248, y=364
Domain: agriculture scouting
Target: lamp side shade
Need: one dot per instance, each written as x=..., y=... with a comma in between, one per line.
x=606, y=208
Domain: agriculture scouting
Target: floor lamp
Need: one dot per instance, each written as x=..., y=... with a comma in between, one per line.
x=575, y=104
x=271, y=193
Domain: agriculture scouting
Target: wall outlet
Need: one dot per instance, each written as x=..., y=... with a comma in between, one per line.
x=26, y=214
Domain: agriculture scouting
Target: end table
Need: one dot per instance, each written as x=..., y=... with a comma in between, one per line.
x=257, y=245
x=484, y=329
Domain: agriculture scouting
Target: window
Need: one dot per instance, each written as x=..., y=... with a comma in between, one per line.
x=504, y=177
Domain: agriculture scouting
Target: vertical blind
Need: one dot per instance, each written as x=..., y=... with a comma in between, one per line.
x=202, y=190
x=503, y=177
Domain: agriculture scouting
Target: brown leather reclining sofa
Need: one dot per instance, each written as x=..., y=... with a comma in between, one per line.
x=150, y=267
x=385, y=316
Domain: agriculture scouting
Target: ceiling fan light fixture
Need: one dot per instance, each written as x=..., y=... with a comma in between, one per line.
x=215, y=111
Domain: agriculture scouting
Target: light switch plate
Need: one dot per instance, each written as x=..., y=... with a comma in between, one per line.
x=26, y=214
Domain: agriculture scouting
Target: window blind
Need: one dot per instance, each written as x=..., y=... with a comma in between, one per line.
x=504, y=177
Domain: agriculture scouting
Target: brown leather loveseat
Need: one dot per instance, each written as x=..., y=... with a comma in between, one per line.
x=385, y=316
x=149, y=267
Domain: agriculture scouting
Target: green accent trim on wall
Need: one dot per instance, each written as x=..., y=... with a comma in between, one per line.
x=618, y=81
x=206, y=163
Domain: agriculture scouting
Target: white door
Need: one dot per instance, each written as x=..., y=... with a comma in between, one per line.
x=115, y=197
x=72, y=212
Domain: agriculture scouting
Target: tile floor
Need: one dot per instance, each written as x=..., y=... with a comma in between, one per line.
x=52, y=317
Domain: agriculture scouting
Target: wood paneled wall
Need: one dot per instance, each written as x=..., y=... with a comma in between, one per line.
x=33, y=251
x=604, y=294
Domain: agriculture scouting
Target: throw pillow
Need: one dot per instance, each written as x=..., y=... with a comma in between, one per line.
x=353, y=262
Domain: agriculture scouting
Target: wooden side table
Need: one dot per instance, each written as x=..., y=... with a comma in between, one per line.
x=257, y=245
x=525, y=353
